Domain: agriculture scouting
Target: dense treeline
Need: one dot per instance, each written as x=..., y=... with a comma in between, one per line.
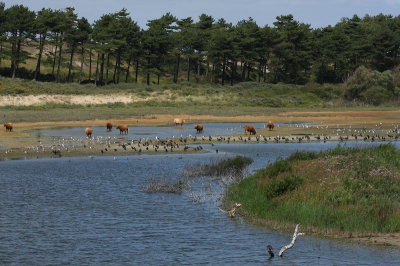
x=118, y=50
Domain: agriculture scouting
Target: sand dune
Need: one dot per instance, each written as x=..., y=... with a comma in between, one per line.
x=63, y=99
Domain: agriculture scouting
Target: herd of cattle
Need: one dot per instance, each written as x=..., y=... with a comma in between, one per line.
x=177, y=121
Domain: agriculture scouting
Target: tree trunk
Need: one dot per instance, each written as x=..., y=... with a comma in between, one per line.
x=97, y=69
x=59, y=62
x=80, y=74
x=248, y=72
x=127, y=71
x=37, y=71
x=212, y=73
x=276, y=72
x=265, y=72
x=70, y=63
x=177, y=68
x=223, y=72
x=188, y=70
x=242, y=71
x=119, y=65
x=232, y=72
x=137, y=70
x=322, y=72
x=90, y=64
x=55, y=57
x=148, y=74
x=334, y=74
x=101, y=68
x=115, y=69
x=18, y=56
x=198, y=69
x=1, y=49
x=13, y=67
x=54, y=60
x=108, y=65
x=215, y=69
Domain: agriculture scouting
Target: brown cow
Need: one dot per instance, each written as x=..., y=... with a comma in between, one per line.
x=109, y=126
x=271, y=125
x=179, y=121
x=123, y=129
x=88, y=132
x=9, y=127
x=199, y=128
x=250, y=129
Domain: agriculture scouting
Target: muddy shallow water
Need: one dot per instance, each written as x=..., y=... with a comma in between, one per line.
x=151, y=132
x=81, y=211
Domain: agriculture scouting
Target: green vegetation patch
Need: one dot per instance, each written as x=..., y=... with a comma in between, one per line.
x=341, y=189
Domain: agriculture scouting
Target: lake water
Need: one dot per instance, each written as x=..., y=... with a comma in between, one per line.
x=81, y=211
x=151, y=132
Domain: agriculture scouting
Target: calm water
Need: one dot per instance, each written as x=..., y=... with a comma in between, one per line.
x=143, y=132
x=78, y=211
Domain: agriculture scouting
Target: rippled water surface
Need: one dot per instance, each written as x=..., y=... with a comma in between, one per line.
x=78, y=211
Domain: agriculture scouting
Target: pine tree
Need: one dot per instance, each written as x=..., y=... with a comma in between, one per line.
x=19, y=24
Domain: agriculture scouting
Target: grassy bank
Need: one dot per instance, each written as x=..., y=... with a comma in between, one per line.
x=343, y=190
x=188, y=94
x=57, y=112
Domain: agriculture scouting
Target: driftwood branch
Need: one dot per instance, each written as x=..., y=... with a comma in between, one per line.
x=295, y=235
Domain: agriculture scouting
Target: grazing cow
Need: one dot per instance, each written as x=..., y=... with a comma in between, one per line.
x=250, y=129
x=109, y=126
x=271, y=125
x=123, y=129
x=179, y=121
x=88, y=132
x=9, y=127
x=199, y=128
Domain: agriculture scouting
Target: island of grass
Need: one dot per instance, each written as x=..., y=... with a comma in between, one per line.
x=341, y=191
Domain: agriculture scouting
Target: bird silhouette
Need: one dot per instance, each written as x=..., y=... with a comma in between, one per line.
x=269, y=250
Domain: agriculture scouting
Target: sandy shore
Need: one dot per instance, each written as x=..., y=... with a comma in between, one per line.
x=328, y=126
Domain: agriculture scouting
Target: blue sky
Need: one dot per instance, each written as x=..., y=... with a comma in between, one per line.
x=317, y=13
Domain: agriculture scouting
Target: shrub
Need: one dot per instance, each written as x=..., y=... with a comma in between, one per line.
x=278, y=186
x=371, y=86
x=278, y=167
x=376, y=95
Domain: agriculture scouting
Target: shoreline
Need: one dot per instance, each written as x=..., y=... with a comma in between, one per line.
x=335, y=124
x=340, y=126
x=387, y=240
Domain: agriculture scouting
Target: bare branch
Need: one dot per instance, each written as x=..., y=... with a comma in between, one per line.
x=293, y=241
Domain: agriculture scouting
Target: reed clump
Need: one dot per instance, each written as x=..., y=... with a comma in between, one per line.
x=341, y=189
x=202, y=182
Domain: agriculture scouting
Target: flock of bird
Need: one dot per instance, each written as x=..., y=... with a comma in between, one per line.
x=113, y=146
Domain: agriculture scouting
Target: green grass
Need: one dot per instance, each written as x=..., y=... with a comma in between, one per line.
x=342, y=189
x=185, y=93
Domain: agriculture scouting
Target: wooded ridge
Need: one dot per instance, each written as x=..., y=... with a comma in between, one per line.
x=57, y=46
